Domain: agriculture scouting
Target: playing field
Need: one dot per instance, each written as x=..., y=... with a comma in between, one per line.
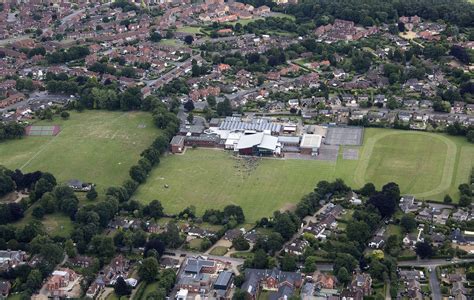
x=424, y=164
x=92, y=146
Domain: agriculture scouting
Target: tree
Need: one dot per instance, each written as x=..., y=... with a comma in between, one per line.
x=288, y=263
x=470, y=136
x=7, y=185
x=138, y=174
x=189, y=105
x=211, y=101
x=224, y=108
x=384, y=204
x=408, y=223
x=38, y=212
x=260, y=260
x=159, y=294
x=447, y=199
x=343, y=276
x=190, y=118
x=310, y=264
x=91, y=194
x=368, y=189
x=465, y=201
x=148, y=270
x=171, y=236
x=70, y=248
x=34, y=280
x=154, y=244
x=121, y=288
x=188, y=39
x=424, y=249
x=65, y=115
x=358, y=231
x=239, y=295
x=154, y=209
x=240, y=243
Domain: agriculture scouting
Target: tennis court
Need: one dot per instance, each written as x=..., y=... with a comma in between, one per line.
x=344, y=136
x=35, y=130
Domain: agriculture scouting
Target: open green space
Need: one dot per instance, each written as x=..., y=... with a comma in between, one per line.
x=189, y=29
x=93, y=146
x=426, y=165
x=219, y=251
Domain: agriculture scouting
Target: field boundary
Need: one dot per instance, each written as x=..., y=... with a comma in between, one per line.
x=448, y=167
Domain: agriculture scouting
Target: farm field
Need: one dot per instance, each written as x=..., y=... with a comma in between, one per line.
x=426, y=165
x=93, y=146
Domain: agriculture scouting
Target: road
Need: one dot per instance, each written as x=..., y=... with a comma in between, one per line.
x=167, y=77
x=434, y=285
x=432, y=264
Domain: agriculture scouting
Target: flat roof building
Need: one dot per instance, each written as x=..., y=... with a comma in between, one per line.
x=310, y=144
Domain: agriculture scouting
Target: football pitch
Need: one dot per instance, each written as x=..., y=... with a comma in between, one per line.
x=426, y=165
x=92, y=146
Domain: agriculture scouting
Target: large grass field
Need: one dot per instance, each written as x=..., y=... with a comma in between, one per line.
x=426, y=165
x=93, y=146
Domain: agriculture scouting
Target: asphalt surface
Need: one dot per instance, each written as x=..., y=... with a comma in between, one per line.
x=434, y=285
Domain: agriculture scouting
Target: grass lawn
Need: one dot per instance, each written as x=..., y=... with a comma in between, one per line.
x=189, y=29
x=243, y=22
x=150, y=288
x=282, y=15
x=195, y=244
x=426, y=165
x=169, y=42
x=393, y=230
x=93, y=146
x=218, y=251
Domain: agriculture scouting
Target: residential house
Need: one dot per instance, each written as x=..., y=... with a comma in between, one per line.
x=61, y=282
x=296, y=247
x=377, y=242
x=324, y=281
x=81, y=261
x=460, y=215
x=11, y=259
x=362, y=282
x=279, y=284
x=414, y=290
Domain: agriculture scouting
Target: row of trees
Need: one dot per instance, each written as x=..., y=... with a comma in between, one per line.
x=63, y=56
x=11, y=130
x=368, y=12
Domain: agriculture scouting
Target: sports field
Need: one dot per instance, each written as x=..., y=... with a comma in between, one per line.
x=424, y=164
x=92, y=146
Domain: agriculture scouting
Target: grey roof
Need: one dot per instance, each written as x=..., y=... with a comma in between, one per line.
x=177, y=139
x=224, y=278
x=249, y=140
x=194, y=265
x=257, y=125
x=289, y=139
